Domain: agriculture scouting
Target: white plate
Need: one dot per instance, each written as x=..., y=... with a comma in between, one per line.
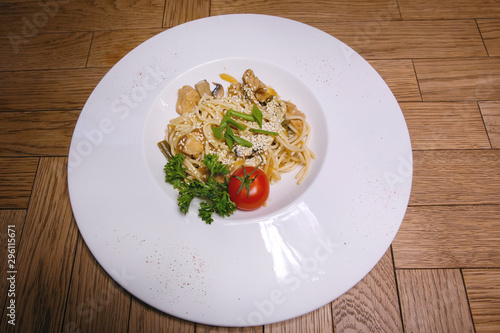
x=310, y=245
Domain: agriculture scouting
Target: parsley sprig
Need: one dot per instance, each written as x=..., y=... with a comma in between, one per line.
x=214, y=195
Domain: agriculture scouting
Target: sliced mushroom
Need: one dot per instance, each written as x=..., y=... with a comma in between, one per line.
x=203, y=88
x=218, y=91
x=187, y=99
x=192, y=143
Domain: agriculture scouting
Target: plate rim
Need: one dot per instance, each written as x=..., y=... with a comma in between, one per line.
x=151, y=40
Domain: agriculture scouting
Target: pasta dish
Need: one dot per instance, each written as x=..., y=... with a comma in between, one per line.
x=249, y=125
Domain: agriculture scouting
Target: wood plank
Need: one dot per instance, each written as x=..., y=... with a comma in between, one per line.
x=221, y=329
x=434, y=301
x=483, y=290
x=449, y=9
x=490, y=31
x=145, y=319
x=459, y=79
x=27, y=19
x=409, y=39
x=453, y=177
x=447, y=125
x=448, y=237
x=38, y=133
x=319, y=320
x=372, y=305
x=46, y=253
x=110, y=46
x=16, y=181
x=491, y=117
x=400, y=77
x=11, y=224
x=14, y=1
x=312, y=11
x=178, y=12
x=45, y=51
x=95, y=302
x=63, y=89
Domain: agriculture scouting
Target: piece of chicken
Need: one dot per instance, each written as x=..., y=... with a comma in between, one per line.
x=252, y=85
x=192, y=143
x=187, y=99
x=203, y=88
x=291, y=110
x=234, y=89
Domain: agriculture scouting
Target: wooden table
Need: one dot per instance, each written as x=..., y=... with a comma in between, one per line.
x=440, y=58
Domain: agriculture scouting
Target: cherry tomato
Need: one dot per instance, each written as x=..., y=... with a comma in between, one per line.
x=248, y=188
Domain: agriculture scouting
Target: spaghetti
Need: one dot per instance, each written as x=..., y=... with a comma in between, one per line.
x=250, y=125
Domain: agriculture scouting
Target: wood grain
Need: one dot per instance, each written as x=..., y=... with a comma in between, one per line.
x=490, y=31
x=108, y=47
x=450, y=9
x=491, y=117
x=448, y=237
x=11, y=222
x=451, y=177
x=46, y=253
x=95, y=303
x=400, y=77
x=312, y=11
x=434, y=301
x=145, y=319
x=221, y=329
x=409, y=39
x=372, y=305
x=440, y=58
x=483, y=289
x=36, y=133
x=66, y=89
x=45, y=51
x=445, y=125
x=459, y=79
x=178, y=12
x=26, y=19
x=319, y=320
x=16, y=181
x=15, y=1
